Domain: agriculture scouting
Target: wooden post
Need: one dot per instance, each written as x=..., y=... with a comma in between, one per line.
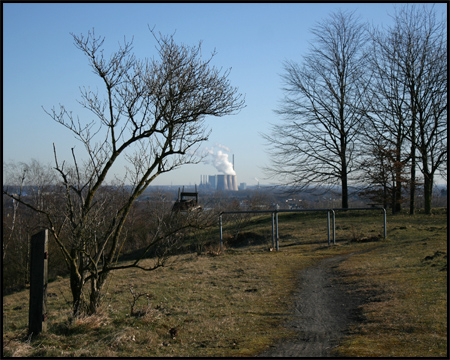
x=38, y=283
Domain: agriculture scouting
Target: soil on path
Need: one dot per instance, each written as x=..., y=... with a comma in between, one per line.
x=323, y=310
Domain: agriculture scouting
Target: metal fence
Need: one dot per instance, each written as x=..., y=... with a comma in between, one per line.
x=275, y=234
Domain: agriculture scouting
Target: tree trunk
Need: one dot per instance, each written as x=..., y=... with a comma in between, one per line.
x=428, y=192
x=393, y=198
x=398, y=166
x=412, y=193
x=344, y=191
x=94, y=298
x=76, y=286
x=398, y=197
x=96, y=289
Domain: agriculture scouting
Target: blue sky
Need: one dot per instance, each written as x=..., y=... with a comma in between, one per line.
x=42, y=67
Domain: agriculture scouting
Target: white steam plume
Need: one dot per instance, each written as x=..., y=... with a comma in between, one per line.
x=220, y=146
x=219, y=160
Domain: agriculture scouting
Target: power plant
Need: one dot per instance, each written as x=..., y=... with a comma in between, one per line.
x=219, y=182
x=223, y=182
x=226, y=183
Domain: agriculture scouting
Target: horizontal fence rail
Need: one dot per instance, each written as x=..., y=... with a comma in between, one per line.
x=275, y=235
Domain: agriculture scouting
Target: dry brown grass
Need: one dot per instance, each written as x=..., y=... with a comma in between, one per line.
x=235, y=304
x=221, y=305
x=406, y=281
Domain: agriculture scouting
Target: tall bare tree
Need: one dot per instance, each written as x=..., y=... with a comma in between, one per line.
x=388, y=117
x=317, y=142
x=411, y=63
x=152, y=115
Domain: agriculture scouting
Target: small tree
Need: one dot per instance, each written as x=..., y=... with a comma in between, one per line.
x=152, y=115
x=20, y=222
x=383, y=174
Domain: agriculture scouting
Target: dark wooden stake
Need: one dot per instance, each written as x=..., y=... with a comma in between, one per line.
x=38, y=283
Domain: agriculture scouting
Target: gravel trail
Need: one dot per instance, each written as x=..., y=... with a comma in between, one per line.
x=323, y=311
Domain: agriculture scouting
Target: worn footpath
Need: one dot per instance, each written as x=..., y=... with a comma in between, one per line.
x=322, y=313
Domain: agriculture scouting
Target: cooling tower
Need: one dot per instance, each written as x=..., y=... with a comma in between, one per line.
x=232, y=183
x=229, y=181
x=235, y=185
x=222, y=183
x=226, y=183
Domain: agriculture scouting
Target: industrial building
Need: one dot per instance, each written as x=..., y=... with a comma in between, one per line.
x=219, y=182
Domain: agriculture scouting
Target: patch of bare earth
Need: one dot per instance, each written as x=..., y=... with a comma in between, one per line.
x=322, y=312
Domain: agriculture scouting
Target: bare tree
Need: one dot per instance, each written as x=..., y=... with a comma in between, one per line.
x=152, y=115
x=34, y=183
x=317, y=143
x=411, y=64
x=388, y=120
x=382, y=174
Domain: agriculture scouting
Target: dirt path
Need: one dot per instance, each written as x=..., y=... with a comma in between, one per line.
x=322, y=313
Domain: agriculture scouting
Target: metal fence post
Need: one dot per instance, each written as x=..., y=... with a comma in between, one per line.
x=384, y=223
x=221, y=235
x=328, y=226
x=276, y=227
x=275, y=221
x=37, y=315
x=273, y=231
x=334, y=227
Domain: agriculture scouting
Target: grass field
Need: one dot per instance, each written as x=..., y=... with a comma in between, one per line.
x=235, y=304
x=407, y=315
